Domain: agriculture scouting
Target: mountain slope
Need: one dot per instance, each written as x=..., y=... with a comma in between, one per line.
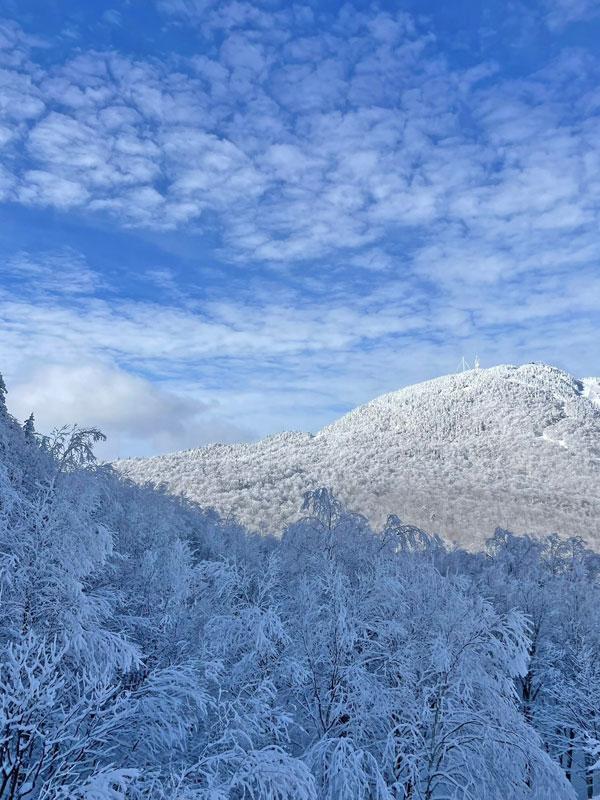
x=512, y=446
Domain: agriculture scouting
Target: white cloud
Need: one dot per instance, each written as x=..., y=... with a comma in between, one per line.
x=137, y=416
x=64, y=272
x=306, y=142
x=44, y=188
x=231, y=368
x=112, y=17
x=560, y=13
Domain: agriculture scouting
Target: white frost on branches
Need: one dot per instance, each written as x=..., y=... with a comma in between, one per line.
x=150, y=649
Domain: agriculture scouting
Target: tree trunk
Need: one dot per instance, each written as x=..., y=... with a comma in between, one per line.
x=569, y=757
x=589, y=777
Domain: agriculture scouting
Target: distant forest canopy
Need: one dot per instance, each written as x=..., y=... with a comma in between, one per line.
x=512, y=446
x=153, y=649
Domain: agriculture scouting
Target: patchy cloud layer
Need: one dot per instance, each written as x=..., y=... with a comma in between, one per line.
x=367, y=204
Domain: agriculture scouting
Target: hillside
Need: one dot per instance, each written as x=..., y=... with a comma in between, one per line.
x=517, y=447
x=151, y=649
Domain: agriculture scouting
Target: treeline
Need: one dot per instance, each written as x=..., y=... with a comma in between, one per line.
x=151, y=649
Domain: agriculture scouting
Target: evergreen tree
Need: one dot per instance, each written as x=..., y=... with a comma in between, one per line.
x=29, y=427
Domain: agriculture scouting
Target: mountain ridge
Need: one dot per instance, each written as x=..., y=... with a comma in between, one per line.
x=510, y=446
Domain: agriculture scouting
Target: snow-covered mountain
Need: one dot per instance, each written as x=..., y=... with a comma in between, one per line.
x=517, y=447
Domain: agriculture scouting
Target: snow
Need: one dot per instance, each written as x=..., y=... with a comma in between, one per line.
x=152, y=649
x=512, y=445
x=591, y=389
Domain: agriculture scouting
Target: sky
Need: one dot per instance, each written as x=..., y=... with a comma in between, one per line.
x=219, y=220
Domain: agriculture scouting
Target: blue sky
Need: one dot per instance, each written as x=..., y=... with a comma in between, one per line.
x=223, y=219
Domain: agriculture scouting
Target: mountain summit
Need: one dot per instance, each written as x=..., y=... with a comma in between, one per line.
x=517, y=447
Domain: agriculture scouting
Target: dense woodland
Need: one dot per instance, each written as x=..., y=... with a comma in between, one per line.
x=152, y=649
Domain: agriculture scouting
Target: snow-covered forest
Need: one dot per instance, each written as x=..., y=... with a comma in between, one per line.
x=515, y=446
x=152, y=649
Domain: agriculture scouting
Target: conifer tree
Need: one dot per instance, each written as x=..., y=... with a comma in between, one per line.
x=29, y=427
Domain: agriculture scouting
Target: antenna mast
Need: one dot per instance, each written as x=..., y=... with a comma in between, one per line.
x=464, y=365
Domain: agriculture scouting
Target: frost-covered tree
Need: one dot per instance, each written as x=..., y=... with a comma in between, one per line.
x=152, y=649
x=407, y=688
x=29, y=427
